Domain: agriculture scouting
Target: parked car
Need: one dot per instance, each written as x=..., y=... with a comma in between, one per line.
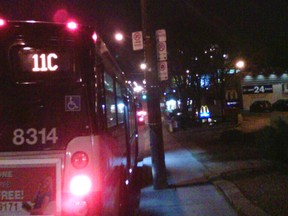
x=280, y=105
x=261, y=106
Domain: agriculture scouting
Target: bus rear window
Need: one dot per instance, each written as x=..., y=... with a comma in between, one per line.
x=36, y=63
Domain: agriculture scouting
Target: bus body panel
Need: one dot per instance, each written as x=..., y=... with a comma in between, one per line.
x=54, y=106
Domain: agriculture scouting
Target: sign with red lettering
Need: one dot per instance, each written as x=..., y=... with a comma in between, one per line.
x=161, y=51
x=24, y=188
x=163, y=70
x=137, y=40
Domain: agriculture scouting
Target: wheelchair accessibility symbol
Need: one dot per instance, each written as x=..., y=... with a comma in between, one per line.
x=72, y=103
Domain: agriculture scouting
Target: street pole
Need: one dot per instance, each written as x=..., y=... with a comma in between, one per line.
x=153, y=100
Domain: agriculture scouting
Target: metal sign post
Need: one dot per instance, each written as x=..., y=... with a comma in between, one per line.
x=153, y=103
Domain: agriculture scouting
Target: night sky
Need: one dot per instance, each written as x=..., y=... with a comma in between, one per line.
x=255, y=29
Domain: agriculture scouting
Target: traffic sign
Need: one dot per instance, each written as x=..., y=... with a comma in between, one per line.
x=161, y=35
x=163, y=70
x=161, y=51
x=137, y=40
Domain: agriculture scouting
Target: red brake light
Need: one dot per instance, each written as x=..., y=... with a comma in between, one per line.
x=72, y=25
x=79, y=160
x=2, y=22
x=80, y=185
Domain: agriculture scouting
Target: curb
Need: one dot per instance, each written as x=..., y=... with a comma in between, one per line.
x=236, y=198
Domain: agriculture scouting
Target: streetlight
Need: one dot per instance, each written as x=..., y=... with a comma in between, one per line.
x=240, y=64
x=119, y=36
x=143, y=66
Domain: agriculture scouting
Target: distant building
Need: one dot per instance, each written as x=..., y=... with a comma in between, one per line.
x=265, y=86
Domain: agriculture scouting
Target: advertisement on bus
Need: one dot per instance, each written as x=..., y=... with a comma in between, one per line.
x=29, y=188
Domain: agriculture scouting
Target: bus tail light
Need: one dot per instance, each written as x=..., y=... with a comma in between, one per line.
x=79, y=160
x=80, y=185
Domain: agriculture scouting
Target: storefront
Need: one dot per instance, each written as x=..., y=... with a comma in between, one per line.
x=270, y=87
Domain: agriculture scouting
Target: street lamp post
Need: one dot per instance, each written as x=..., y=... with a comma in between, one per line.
x=240, y=65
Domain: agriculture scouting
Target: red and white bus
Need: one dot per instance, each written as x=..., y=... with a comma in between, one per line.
x=68, y=130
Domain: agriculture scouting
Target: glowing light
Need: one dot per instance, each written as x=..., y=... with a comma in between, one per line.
x=2, y=22
x=94, y=37
x=143, y=66
x=72, y=25
x=240, y=64
x=171, y=105
x=31, y=21
x=80, y=185
x=141, y=113
x=138, y=88
x=119, y=37
x=46, y=62
x=204, y=112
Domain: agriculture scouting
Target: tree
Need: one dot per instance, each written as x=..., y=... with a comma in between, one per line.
x=198, y=77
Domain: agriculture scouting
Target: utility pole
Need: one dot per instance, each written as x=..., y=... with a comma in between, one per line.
x=153, y=100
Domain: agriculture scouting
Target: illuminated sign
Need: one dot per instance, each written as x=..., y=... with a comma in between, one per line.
x=204, y=112
x=257, y=89
x=38, y=63
x=46, y=62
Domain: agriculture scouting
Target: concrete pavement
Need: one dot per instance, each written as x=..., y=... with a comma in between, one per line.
x=189, y=193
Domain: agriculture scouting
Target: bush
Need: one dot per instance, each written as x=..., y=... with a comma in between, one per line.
x=272, y=142
x=236, y=137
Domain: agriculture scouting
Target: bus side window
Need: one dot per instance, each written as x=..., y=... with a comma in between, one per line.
x=110, y=100
x=131, y=110
x=120, y=104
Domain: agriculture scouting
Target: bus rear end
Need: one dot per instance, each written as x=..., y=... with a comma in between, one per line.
x=48, y=156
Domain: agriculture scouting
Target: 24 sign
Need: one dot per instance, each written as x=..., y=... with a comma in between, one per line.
x=257, y=89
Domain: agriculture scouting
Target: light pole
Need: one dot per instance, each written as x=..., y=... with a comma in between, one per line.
x=153, y=100
x=240, y=64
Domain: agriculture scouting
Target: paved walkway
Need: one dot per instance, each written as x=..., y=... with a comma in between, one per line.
x=190, y=193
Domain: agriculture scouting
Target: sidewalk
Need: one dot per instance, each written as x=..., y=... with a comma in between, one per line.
x=190, y=191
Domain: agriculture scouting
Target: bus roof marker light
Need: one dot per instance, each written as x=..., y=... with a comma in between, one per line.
x=72, y=25
x=2, y=22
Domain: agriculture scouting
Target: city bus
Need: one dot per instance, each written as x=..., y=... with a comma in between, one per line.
x=68, y=126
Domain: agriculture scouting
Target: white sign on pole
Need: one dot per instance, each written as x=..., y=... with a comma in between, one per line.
x=137, y=40
x=163, y=70
x=161, y=35
x=161, y=51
